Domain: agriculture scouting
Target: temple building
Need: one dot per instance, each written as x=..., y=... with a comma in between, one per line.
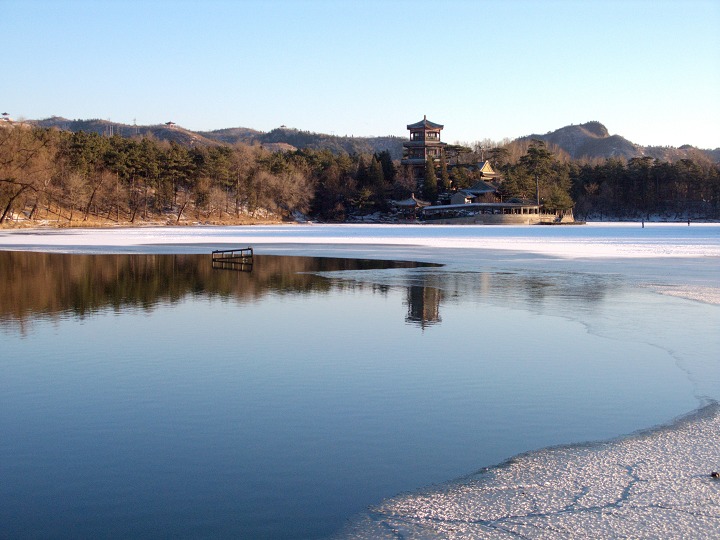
x=424, y=143
x=479, y=203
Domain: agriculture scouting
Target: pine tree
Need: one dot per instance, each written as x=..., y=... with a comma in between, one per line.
x=375, y=175
x=388, y=166
x=538, y=162
x=430, y=187
x=361, y=176
x=444, y=175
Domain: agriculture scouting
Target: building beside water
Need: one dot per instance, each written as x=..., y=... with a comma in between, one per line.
x=481, y=203
x=424, y=145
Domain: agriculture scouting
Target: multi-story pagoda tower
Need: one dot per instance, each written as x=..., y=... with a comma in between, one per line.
x=424, y=144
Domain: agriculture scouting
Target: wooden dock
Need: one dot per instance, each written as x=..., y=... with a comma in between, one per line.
x=238, y=259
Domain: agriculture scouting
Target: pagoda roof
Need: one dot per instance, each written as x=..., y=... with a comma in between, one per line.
x=425, y=124
x=486, y=168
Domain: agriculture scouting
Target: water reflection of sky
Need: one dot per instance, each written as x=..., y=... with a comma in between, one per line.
x=280, y=404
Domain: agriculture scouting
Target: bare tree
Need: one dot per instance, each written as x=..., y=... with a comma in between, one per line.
x=217, y=201
x=74, y=192
x=26, y=164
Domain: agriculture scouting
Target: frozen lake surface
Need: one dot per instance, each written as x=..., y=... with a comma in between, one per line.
x=679, y=259
x=525, y=338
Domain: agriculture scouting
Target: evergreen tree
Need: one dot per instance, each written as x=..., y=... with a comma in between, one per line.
x=518, y=183
x=444, y=175
x=376, y=183
x=537, y=162
x=361, y=176
x=430, y=187
x=388, y=167
x=460, y=177
x=499, y=157
x=375, y=174
x=558, y=199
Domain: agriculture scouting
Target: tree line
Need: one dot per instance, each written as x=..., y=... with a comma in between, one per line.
x=643, y=186
x=36, y=284
x=80, y=177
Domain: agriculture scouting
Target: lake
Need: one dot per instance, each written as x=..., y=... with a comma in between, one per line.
x=151, y=394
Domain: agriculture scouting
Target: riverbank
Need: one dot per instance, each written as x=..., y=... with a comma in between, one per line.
x=170, y=221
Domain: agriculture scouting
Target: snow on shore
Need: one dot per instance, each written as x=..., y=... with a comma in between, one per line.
x=655, y=484
x=590, y=241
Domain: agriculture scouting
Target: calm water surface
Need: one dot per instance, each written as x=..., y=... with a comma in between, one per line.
x=152, y=395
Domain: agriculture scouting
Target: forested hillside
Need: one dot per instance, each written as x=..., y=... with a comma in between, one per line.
x=646, y=187
x=70, y=178
x=281, y=138
x=615, y=188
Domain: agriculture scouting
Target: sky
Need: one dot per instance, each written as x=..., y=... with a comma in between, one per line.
x=649, y=70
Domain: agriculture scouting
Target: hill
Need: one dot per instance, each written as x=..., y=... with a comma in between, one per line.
x=307, y=139
x=161, y=132
x=232, y=135
x=592, y=140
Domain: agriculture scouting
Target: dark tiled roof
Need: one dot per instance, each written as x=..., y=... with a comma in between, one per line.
x=425, y=123
x=481, y=187
x=412, y=202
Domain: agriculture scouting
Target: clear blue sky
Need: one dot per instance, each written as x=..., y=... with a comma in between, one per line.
x=648, y=69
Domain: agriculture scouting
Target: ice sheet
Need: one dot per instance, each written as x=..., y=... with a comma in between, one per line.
x=673, y=259
x=655, y=484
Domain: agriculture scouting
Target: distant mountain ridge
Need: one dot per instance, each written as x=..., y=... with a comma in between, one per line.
x=163, y=132
x=590, y=140
x=282, y=138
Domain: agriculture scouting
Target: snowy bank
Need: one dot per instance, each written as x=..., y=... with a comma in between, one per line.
x=656, y=484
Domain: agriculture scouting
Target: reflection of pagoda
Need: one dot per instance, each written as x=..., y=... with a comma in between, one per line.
x=424, y=144
x=423, y=305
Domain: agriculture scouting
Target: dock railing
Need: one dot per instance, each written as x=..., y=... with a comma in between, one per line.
x=240, y=259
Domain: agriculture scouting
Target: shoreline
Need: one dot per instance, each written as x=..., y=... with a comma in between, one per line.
x=10, y=224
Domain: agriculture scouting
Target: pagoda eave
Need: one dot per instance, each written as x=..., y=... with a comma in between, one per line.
x=420, y=144
x=425, y=124
x=414, y=161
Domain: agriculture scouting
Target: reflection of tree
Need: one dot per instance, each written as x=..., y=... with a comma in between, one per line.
x=423, y=305
x=51, y=283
